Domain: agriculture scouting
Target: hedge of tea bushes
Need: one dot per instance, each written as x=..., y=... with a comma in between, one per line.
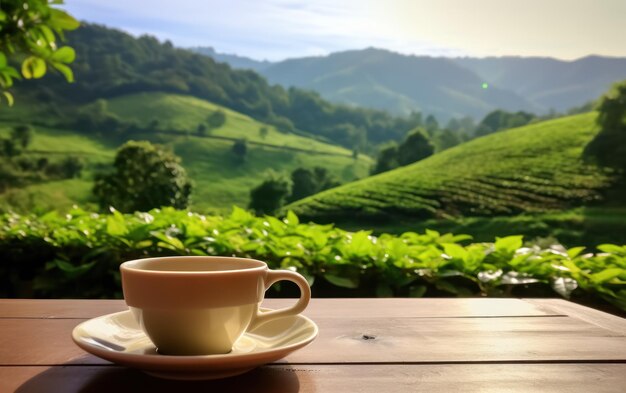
x=78, y=255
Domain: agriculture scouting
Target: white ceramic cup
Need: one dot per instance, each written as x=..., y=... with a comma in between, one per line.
x=193, y=305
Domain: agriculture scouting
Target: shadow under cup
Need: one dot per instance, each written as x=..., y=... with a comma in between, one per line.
x=194, y=305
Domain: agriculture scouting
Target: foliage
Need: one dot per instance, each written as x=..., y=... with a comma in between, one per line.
x=387, y=159
x=416, y=146
x=446, y=138
x=110, y=63
x=263, y=131
x=208, y=160
x=202, y=129
x=240, y=149
x=23, y=135
x=72, y=167
x=29, y=29
x=78, y=255
x=216, y=119
x=609, y=146
x=270, y=195
x=502, y=120
x=482, y=177
x=145, y=176
x=306, y=182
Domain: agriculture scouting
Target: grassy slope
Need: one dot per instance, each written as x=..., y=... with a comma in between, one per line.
x=535, y=168
x=220, y=181
x=180, y=112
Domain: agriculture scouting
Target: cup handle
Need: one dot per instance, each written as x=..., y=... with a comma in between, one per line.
x=274, y=276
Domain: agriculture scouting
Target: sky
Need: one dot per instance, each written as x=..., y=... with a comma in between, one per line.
x=279, y=29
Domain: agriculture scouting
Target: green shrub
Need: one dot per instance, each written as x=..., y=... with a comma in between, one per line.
x=78, y=254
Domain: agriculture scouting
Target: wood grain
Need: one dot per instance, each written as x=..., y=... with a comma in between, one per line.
x=589, y=315
x=365, y=345
x=349, y=340
x=382, y=308
x=484, y=378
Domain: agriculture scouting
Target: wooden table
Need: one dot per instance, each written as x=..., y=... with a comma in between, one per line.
x=365, y=345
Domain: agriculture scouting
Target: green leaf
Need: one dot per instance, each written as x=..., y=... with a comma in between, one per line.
x=606, y=275
x=455, y=251
x=12, y=72
x=575, y=251
x=33, y=67
x=3, y=60
x=432, y=233
x=71, y=270
x=9, y=97
x=344, y=282
x=612, y=249
x=571, y=266
x=116, y=225
x=64, y=55
x=61, y=20
x=292, y=219
x=47, y=33
x=508, y=244
x=65, y=70
x=171, y=243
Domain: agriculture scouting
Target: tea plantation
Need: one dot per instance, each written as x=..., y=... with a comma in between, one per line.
x=78, y=255
x=531, y=169
x=221, y=179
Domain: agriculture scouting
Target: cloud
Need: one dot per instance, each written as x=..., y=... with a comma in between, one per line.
x=276, y=29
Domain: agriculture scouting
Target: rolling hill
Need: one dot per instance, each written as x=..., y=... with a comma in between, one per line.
x=550, y=83
x=531, y=169
x=110, y=63
x=399, y=83
x=221, y=181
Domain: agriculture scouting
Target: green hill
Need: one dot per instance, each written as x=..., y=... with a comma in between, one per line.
x=184, y=113
x=110, y=63
x=531, y=169
x=221, y=180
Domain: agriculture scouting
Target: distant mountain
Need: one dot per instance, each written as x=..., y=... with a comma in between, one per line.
x=110, y=63
x=446, y=87
x=235, y=61
x=400, y=84
x=550, y=83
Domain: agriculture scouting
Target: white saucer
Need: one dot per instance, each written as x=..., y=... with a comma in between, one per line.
x=118, y=338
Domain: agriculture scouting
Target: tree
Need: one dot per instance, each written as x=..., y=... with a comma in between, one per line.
x=502, y=120
x=445, y=139
x=71, y=167
x=263, y=131
x=415, y=147
x=9, y=148
x=22, y=135
x=324, y=179
x=29, y=29
x=240, y=149
x=145, y=176
x=216, y=119
x=201, y=129
x=609, y=145
x=387, y=159
x=270, y=195
x=431, y=124
x=304, y=184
